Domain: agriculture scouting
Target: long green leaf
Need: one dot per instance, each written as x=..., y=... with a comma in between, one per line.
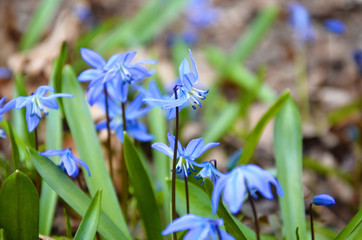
x=288, y=155
x=41, y=18
x=19, y=207
x=83, y=130
x=255, y=33
x=354, y=226
x=73, y=195
x=88, y=227
x=14, y=147
x=253, y=138
x=54, y=130
x=143, y=191
x=2, y=234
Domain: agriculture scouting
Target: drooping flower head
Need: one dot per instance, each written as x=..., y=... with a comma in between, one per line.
x=200, y=228
x=186, y=156
x=68, y=162
x=35, y=104
x=323, y=200
x=133, y=112
x=233, y=185
x=184, y=91
x=208, y=171
x=118, y=69
x=335, y=26
x=2, y=131
x=301, y=23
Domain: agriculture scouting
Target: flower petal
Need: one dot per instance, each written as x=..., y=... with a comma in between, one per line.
x=89, y=75
x=161, y=147
x=92, y=58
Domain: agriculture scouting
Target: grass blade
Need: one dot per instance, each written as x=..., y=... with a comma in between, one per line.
x=41, y=18
x=19, y=207
x=88, y=227
x=253, y=138
x=14, y=147
x=143, y=191
x=353, y=227
x=73, y=195
x=288, y=155
x=83, y=130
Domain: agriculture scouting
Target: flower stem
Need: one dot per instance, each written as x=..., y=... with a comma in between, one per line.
x=311, y=221
x=37, y=184
x=187, y=196
x=108, y=131
x=254, y=213
x=218, y=232
x=124, y=174
x=173, y=205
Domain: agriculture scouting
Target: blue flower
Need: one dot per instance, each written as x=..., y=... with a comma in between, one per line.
x=233, y=185
x=200, y=13
x=335, y=26
x=2, y=131
x=5, y=73
x=118, y=71
x=200, y=228
x=68, y=162
x=323, y=200
x=35, y=104
x=133, y=111
x=301, y=23
x=208, y=171
x=194, y=149
x=186, y=92
x=357, y=56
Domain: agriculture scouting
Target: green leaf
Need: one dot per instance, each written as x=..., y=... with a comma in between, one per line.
x=162, y=163
x=253, y=138
x=54, y=130
x=288, y=155
x=2, y=234
x=254, y=34
x=73, y=195
x=222, y=123
x=19, y=207
x=41, y=18
x=353, y=228
x=88, y=227
x=14, y=147
x=143, y=191
x=83, y=131
x=68, y=226
x=345, y=112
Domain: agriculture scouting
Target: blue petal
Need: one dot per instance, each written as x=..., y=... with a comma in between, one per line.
x=161, y=147
x=93, y=94
x=32, y=120
x=193, y=148
x=234, y=191
x=208, y=146
x=194, y=67
x=83, y=164
x=8, y=106
x=89, y=75
x=20, y=102
x=2, y=133
x=70, y=167
x=135, y=105
x=140, y=133
x=50, y=103
x=220, y=185
x=128, y=57
x=335, y=26
x=188, y=221
x=92, y=58
x=53, y=152
x=184, y=68
x=323, y=200
x=42, y=90
x=199, y=234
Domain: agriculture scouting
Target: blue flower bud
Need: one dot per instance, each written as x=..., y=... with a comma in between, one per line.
x=335, y=26
x=323, y=200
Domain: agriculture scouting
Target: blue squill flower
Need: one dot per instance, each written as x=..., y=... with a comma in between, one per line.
x=194, y=149
x=68, y=162
x=233, y=186
x=323, y=200
x=301, y=23
x=335, y=26
x=186, y=92
x=133, y=112
x=5, y=73
x=357, y=56
x=208, y=171
x=2, y=131
x=200, y=228
x=96, y=61
x=200, y=13
x=35, y=104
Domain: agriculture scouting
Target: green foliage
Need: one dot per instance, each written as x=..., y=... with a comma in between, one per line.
x=43, y=15
x=74, y=196
x=19, y=207
x=254, y=136
x=14, y=147
x=143, y=191
x=353, y=230
x=288, y=155
x=68, y=226
x=88, y=227
x=83, y=131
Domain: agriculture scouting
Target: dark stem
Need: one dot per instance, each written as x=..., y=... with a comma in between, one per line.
x=254, y=213
x=124, y=174
x=173, y=205
x=218, y=232
x=311, y=221
x=108, y=131
x=187, y=196
x=37, y=184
